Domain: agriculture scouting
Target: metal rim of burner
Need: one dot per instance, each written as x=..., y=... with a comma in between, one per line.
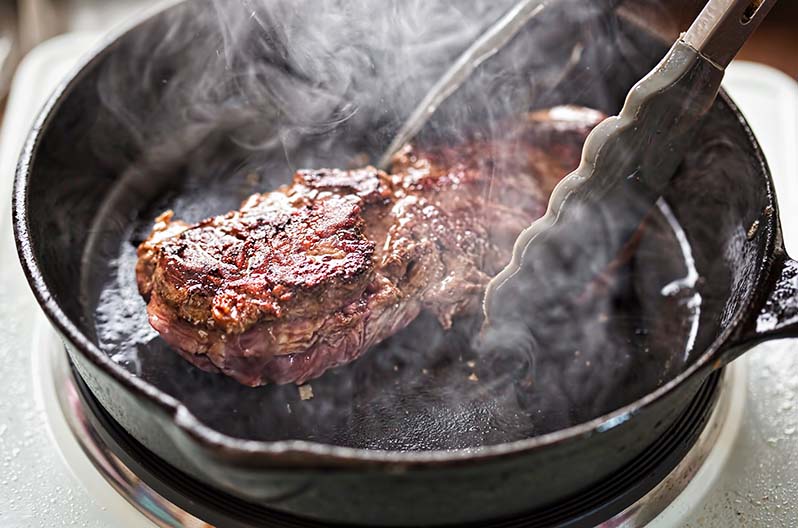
x=632, y=498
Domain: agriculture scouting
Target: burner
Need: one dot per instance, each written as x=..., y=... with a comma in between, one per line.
x=169, y=497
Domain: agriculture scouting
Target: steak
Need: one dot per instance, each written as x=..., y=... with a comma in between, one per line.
x=308, y=277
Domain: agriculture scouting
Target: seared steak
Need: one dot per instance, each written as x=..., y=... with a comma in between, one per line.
x=308, y=277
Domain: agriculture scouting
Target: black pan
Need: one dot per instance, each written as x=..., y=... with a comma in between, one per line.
x=380, y=443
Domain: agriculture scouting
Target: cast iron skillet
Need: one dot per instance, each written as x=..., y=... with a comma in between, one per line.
x=243, y=442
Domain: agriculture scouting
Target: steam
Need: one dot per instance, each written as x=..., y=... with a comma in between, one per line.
x=223, y=98
x=298, y=76
x=270, y=74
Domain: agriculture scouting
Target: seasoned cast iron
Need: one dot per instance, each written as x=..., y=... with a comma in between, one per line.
x=76, y=158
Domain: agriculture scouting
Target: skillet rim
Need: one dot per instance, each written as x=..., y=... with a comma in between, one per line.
x=302, y=453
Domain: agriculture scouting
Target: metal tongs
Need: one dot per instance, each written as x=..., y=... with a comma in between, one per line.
x=630, y=159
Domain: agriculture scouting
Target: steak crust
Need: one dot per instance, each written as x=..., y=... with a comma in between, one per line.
x=308, y=277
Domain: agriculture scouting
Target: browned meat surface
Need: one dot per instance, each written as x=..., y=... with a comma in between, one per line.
x=309, y=276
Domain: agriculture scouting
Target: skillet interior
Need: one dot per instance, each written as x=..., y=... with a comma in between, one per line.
x=89, y=199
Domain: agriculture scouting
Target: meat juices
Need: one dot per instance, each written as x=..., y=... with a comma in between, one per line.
x=308, y=277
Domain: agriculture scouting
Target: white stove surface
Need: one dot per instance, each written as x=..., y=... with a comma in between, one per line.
x=750, y=480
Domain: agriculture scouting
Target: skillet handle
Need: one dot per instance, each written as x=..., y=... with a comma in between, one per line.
x=778, y=316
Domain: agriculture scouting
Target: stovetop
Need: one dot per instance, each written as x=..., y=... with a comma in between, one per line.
x=750, y=479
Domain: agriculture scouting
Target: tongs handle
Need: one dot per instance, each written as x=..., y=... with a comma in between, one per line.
x=723, y=27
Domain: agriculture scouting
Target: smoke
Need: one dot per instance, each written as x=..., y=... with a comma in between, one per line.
x=269, y=75
x=217, y=99
x=304, y=78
